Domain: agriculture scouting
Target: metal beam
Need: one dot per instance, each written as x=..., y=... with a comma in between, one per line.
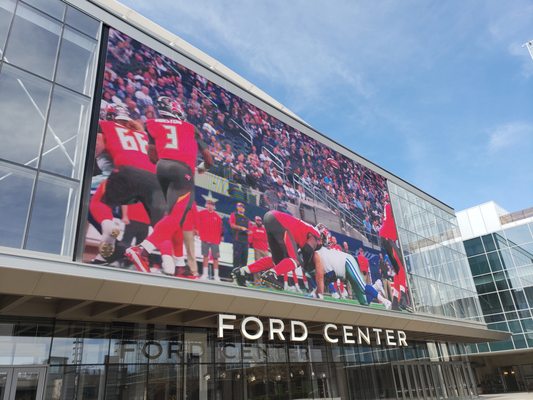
x=9, y=302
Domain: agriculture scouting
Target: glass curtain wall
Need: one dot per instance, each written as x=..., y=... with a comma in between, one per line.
x=135, y=361
x=439, y=276
x=48, y=54
x=502, y=266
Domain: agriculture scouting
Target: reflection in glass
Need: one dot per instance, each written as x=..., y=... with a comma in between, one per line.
x=3, y=384
x=76, y=61
x=228, y=382
x=65, y=133
x=164, y=382
x=126, y=382
x=24, y=344
x=22, y=114
x=82, y=22
x=6, y=13
x=33, y=41
x=79, y=344
x=55, y=8
x=15, y=185
x=52, y=217
x=26, y=384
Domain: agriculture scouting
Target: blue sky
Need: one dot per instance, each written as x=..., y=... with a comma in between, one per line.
x=439, y=93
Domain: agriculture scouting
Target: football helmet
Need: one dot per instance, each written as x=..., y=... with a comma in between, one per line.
x=166, y=107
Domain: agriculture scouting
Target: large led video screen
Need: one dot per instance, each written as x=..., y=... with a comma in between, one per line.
x=193, y=182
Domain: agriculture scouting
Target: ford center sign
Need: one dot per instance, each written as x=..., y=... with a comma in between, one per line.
x=252, y=328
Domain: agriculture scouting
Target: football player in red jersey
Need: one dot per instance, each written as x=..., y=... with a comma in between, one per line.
x=175, y=143
x=388, y=237
x=292, y=243
x=123, y=145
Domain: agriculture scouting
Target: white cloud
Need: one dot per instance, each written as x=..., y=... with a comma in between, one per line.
x=509, y=135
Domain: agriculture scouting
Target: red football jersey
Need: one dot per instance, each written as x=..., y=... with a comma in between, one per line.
x=174, y=140
x=388, y=229
x=126, y=146
x=298, y=228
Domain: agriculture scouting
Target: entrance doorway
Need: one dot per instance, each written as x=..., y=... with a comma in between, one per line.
x=22, y=383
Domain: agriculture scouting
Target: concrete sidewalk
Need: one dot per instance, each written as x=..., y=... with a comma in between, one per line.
x=508, y=396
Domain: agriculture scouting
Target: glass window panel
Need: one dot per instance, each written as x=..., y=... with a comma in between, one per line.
x=52, y=218
x=501, y=280
x=276, y=352
x=164, y=382
x=198, y=346
x=523, y=254
x=479, y=265
x=24, y=343
x=253, y=352
x=78, y=343
x=527, y=324
x=65, y=133
x=494, y=261
x=33, y=41
x=494, y=318
x=82, y=22
x=500, y=240
x=518, y=235
x=23, y=106
x=503, y=345
x=16, y=186
x=126, y=382
x=484, y=284
x=488, y=242
x=473, y=247
x=490, y=303
x=6, y=13
x=507, y=301
x=228, y=349
x=519, y=341
x=507, y=260
x=76, y=61
x=55, y=8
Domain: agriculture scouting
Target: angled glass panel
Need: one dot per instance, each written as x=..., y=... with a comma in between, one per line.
x=15, y=186
x=65, y=133
x=23, y=106
x=7, y=7
x=52, y=218
x=76, y=61
x=82, y=22
x=33, y=41
x=54, y=8
x=518, y=235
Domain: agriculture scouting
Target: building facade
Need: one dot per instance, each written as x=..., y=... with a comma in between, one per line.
x=499, y=246
x=82, y=318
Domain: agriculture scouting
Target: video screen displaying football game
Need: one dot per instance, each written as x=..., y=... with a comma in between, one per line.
x=191, y=181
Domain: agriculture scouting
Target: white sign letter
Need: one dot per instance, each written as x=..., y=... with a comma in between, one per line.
x=348, y=334
x=389, y=337
x=328, y=338
x=222, y=325
x=301, y=338
x=256, y=335
x=278, y=329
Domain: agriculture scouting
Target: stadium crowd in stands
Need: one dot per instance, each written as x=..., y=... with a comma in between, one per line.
x=250, y=147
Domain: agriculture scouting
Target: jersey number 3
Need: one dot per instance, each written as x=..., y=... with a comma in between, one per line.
x=172, y=137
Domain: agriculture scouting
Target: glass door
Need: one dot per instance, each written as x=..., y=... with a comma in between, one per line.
x=22, y=383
